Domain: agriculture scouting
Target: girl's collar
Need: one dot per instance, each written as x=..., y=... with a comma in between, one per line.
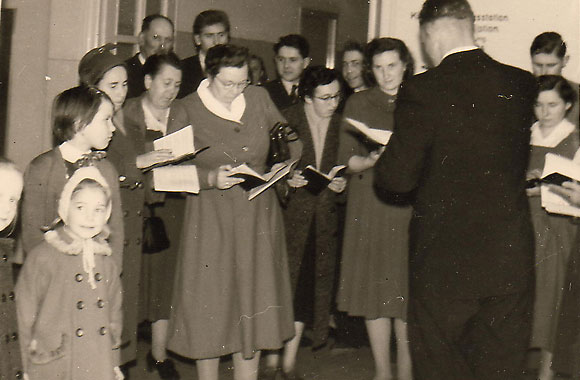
x=68, y=244
x=71, y=153
x=214, y=106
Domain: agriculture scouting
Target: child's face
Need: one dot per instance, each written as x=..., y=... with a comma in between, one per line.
x=10, y=191
x=99, y=131
x=550, y=108
x=87, y=214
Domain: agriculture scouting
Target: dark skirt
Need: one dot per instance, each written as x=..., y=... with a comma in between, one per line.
x=158, y=270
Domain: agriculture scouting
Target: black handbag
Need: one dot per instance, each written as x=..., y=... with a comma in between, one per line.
x=280, y=135
x=154, y=235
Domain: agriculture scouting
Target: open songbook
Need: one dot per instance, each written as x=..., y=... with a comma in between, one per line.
x=558, y=169
x=317, y=180
x=176, y=178
x=256, y=183
x=181, y=145
x=379, y=136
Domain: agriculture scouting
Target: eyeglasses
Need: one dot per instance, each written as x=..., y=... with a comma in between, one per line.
x=230, y=85
x=328, y=98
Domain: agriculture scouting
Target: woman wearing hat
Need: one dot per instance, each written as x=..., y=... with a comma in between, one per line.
x=104, y=70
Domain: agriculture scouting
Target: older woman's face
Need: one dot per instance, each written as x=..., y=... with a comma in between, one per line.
x=114, y=84
x=163, y=88
x=229, y=83
x=388, y=70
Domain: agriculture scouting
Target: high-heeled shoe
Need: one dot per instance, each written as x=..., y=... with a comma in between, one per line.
x=165, y=369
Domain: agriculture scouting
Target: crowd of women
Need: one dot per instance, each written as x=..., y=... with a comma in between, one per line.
x=239, y=276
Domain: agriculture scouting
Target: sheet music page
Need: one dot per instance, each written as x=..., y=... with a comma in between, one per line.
x=178, y=178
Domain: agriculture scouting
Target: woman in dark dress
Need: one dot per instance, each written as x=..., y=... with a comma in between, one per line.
x=374, y=268
x=554, y=233
x=145, y=119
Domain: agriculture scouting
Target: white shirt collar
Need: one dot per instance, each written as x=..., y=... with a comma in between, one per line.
x=70, y=152
x=151, y=121
x=142, y=58
x=214, y=106
x=460, y=49
x=288, y=85
x=562, y=130
x=202, y=60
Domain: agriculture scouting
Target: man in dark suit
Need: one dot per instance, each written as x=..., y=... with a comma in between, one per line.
x=156, y=37
x=461, y=142
x=292, y=57
x=210, y=28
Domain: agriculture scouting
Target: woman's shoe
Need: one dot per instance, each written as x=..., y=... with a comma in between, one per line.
x=165, y=369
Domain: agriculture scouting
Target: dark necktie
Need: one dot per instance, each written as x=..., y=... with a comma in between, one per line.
x=294, y=93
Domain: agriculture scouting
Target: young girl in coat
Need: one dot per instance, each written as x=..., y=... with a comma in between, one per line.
x=11, y=180
x=69, y=291
x=82, y=122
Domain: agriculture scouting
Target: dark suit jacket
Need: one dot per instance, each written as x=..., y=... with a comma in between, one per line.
x=279, y=95
x=135, y=77
x=192, y=76
x=461, y=140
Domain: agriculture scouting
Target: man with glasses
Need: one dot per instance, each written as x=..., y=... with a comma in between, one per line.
x=156, y=37
x=292, y=57
x=210, y=28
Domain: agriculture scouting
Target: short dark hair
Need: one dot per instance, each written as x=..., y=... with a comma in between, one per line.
x=381, y=45
x=558, y=84
x=548, y=43
x=227, y=55
x=436, y=9
x=149, y=19
x=296, y=41
x=315, y=76
x=74, y=109
x=210, y=17
x=353, y=46
x=154, y=63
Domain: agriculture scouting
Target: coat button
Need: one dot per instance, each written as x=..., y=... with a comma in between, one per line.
x=138, y=212
x=103, y=330
x=4, y=258
x=138, y=241
x=125, y=242
x=245, y=148
x=126, y=213
x=78, y=277
x=100, y=304
x=80, y=305
x=14, y=337
x=98, y=276
x=11, y=296
x=237, y=129
x=19, y=375
x=140, y=185
x=80, y=332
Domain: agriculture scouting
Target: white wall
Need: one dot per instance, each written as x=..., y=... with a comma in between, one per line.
x=505, y=29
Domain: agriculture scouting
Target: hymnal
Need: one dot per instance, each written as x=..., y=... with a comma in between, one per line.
x=317, y=180
x=379, y=136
